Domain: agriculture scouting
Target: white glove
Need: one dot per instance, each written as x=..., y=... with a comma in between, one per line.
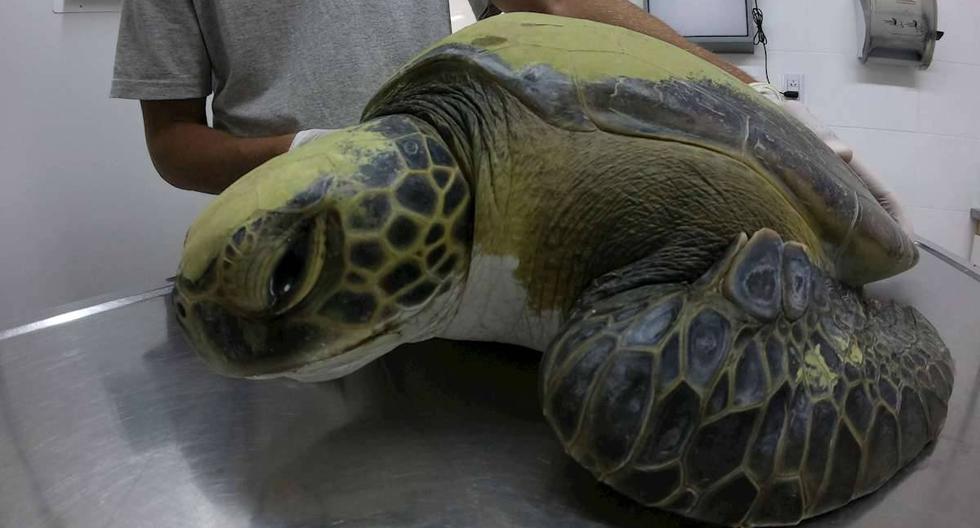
x=885, y=197
x=303, y=137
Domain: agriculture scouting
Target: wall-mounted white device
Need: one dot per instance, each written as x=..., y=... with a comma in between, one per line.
x=900, y=32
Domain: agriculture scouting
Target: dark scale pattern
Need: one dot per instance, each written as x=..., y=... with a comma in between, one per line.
x=370, y=213
x=239, y=236
x=798, y=333
x=756, y=439
x=888, y=392
x=394, y=126
x=870, y=371
x=382, y=170
x=403, y=232
x=416, y=194
x=843, y=472
x=830, y=354
x=775, y=358
x=647, y=486
x=618, y=406
x=797, y=273
x=435, y=234
x=569, y=396
x=399, y=278
x=417, y=295
x=783, y=504
x=859, y=408
x=719, y=398
x=312, y=194
x=672, y=426
x=912, y=421
x=627, y=313
x=936, y=410
x=718, y=448
x=441, y=176
x=350, y=307
x=413, y=151
x=754, y=283
x=793, y=362
x=454, y=196
x=462, y=231
x=882, y=453
x=796, y=432
x=652, y=326
x=435, y=255
x=938, y=381
x=707, y=346
x=682, y=502
x=763, y=450
x=572, y=341
x=840, y=392
x=367, y=255
x=447, y=266
x=440, y=156
x=729, y=502
x=750, y=378
x=670, y=362
x=824, y=422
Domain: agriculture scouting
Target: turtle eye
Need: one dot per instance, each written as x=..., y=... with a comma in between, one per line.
x=292, y=273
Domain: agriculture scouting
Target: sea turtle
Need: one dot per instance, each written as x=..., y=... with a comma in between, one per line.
x=687, y=257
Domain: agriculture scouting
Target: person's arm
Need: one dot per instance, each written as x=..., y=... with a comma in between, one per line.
x=190, y=155
x=623, y=14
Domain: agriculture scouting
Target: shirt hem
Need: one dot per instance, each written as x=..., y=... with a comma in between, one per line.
x=155, y=90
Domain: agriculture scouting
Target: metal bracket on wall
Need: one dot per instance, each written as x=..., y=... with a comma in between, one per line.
x=899, y=32
x=86, y=6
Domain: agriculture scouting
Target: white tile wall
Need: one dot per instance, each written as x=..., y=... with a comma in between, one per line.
x=919, y=129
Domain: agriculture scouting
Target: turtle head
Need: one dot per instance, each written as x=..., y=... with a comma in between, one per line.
x=328, y=256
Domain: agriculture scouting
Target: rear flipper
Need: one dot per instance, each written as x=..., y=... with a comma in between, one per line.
x=762, y=394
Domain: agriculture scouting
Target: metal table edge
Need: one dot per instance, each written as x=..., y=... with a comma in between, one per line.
x=85, y=308
x=955, y=261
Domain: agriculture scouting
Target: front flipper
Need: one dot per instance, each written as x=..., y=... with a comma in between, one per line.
x=762, y=394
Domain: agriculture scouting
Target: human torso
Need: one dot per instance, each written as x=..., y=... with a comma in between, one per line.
x=279, y=67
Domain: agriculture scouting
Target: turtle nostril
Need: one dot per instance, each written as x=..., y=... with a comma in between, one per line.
x=181, y=311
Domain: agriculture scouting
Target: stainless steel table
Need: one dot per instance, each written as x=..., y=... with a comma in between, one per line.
x=108, y=420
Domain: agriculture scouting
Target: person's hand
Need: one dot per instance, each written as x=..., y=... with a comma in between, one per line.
x=303, y=137
x=885, y=196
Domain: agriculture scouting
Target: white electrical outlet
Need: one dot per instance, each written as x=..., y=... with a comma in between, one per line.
x=793, y=82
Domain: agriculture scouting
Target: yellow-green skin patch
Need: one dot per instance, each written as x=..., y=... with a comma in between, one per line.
x=816, y=374
x=854, y=356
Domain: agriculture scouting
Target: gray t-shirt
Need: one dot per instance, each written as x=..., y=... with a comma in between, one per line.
x=274, y=67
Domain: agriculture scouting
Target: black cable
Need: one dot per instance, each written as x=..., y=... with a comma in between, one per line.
x=760, y=35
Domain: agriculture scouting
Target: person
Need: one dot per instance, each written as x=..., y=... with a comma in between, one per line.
x=284, y=73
